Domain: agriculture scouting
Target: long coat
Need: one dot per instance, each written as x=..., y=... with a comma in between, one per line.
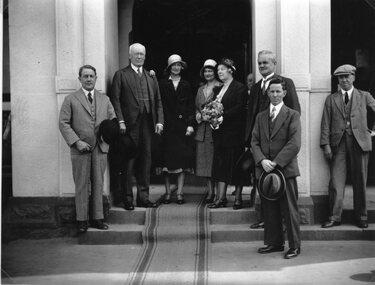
x=232, y=130
x=333, y=119
x=282, y=146
x=290, y=100
x=179, y=113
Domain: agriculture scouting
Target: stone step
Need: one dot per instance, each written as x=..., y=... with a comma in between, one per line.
x=242, y=233
x=119, y=215
x=116, y=234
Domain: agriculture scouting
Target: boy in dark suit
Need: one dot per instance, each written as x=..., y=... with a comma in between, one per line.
x=276, y=141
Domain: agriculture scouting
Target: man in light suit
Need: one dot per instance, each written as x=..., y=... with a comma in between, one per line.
x=276, y=141
x=259, y=101
x=80, y=116
x=136, y=99
x=346, y=142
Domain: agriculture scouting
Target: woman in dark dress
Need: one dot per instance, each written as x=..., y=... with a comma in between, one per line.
x=229, y=134
x=179, y=116
x=203, y=135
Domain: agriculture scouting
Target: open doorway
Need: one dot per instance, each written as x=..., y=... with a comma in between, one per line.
x=196, y=30
x=353, y=42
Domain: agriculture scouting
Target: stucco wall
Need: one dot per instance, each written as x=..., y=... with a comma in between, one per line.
x=34, y=117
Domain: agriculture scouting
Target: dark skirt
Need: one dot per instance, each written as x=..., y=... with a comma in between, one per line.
x=224, y=165
x=178, y=151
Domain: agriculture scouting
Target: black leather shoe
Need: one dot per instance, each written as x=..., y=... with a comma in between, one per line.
x=82, y=227
x=330, y=224
x=218, y=204
x=98, y=224
x=363, y=224
x=237, y=205
x=128, y=206
x=147, y=204
x=257, y=225
x=292, y=253
x=180, y=199
x=167, y=199
x=271, y=248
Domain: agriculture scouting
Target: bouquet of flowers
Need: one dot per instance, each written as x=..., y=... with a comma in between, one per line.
x=212, y=112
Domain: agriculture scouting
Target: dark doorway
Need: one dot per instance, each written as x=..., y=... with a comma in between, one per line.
x=353, y=42
x=196, y=30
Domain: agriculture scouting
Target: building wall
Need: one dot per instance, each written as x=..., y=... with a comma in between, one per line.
x=35, y=135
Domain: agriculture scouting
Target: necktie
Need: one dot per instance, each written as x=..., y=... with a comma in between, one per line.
x=263, y=86
x=273, y=114
x=139, y=72
x=346, y=98
x=89, y=96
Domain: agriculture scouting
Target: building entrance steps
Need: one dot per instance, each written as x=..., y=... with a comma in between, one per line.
x=228, y=225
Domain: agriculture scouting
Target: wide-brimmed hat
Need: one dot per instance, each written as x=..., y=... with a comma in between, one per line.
x=122, y=150
x=175, y=58
x=271, y=185
x=244, y=168
x=109, y=130
x=208, y=63
x=344, y=70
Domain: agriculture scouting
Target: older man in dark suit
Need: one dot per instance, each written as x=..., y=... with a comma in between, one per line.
x=276, y=141
x=136, y=99
x=346, y=142
x=80, y=116
x=259, y=101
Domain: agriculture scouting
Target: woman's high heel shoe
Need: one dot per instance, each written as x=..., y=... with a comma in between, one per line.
x=180, y=199
x=237, y=205
x=167, y=199
x=218, y=203
x=209, y=199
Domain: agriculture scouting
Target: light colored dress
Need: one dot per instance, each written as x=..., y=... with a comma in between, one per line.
x=203, y=136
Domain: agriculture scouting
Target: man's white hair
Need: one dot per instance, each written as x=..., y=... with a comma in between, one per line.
x=270, y=54
x=134, y=46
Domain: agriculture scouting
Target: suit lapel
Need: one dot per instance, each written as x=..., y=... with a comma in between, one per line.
x=265, y=123
x=98, y=103
x=337, y=98
x=355, y=99
x=130, y=78
x=281, y=117
x=81, y=97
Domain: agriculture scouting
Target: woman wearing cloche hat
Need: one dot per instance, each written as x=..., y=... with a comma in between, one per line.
x=179, y=115
x=228, y=134
x=203, y=136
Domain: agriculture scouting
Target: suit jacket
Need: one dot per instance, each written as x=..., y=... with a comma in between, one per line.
x=232, y=130
x=282, y=146
x=124, y=97
x=333, y=119
x=77, y=123
x=290, y=100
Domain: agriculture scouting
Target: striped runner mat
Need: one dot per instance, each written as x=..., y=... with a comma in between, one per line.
x=175, y=247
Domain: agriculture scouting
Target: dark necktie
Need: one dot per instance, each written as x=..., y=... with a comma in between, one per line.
x=139, y=72
x=89, y=96
x=346, y=98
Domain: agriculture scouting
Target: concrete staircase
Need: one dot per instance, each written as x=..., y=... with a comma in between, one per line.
x=228, y=225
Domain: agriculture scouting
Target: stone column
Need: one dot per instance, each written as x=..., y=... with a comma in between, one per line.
x=320, y=69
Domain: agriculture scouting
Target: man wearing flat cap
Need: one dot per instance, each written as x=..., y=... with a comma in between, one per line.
x=276, y=141
x=346, y=143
